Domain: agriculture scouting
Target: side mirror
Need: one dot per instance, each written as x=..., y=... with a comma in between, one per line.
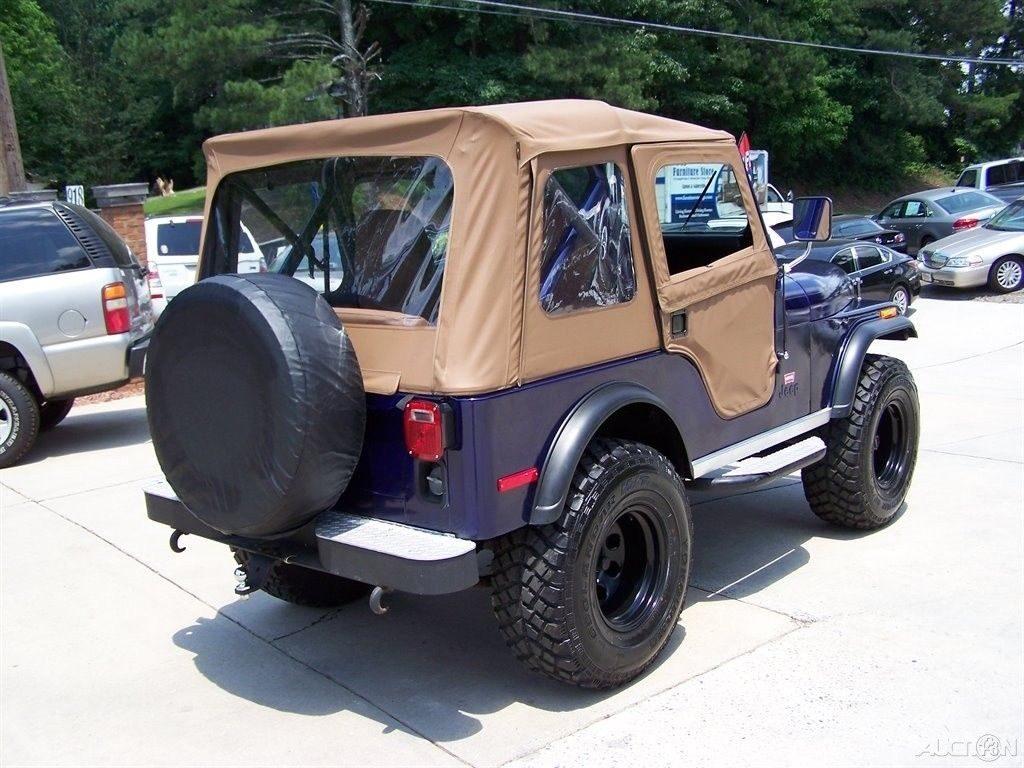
x=789, y=196
x=812, y=219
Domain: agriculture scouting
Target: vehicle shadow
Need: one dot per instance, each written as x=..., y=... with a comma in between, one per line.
x=968, y=294
x=92, y=430
x=440, y=665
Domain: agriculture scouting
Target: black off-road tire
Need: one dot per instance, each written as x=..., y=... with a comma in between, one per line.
x=545, y=586
x=305, y=586
x=866, y=473
x=20, y=414
x=52, y=413
x=1016, y=266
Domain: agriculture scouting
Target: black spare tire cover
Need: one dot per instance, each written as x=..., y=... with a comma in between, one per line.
x=255, y=402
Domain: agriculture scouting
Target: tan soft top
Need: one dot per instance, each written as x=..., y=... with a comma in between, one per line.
x=492, y=151
x=536, y=126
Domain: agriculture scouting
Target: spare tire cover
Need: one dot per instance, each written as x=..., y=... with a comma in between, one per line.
x=255, y=402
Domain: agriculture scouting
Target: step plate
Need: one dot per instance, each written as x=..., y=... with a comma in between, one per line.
x=773, y=462
x=394, y=555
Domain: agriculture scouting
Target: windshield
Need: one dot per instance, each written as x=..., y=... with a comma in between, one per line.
x=967, y=201
x=382, y=221
x=1010, y=219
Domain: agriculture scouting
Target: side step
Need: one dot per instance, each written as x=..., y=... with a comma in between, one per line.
x=756, y=471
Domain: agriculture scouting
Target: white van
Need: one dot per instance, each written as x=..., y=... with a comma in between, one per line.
x=172, y=250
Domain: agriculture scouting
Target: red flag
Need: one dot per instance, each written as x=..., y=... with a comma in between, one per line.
x=744, y=144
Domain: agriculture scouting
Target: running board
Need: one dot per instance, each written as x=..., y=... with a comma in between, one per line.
x=756, y=471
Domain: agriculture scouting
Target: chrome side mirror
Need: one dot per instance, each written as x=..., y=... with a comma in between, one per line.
x=812, y=219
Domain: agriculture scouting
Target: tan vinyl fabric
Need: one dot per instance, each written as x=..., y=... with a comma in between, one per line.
x=730, y=303
x=491, y=332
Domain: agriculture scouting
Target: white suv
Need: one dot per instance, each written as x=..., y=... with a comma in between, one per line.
x=172, y=251
x=75, y=316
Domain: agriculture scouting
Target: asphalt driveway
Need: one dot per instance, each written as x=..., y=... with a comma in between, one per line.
x=800, y=643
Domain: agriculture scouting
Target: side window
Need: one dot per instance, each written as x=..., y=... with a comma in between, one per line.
x=893, y=211
x=586, y=257
x=869, y=256
x=702, y=214
x=914, y=209
x=995, y=176
x=968, y=179
x=845, y=260
x=35, y=242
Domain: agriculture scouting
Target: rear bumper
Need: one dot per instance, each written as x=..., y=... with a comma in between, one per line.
x=137, y=358
x=372, y=551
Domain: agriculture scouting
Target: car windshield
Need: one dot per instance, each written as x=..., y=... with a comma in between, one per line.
x=382, y=221
x=966, y=201
x=1010, y=219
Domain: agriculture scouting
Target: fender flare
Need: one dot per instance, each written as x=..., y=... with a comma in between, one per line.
x=21, y=337
x=848, y=367
x=572, y=438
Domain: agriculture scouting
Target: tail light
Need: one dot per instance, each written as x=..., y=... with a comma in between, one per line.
x=115, y=308
x=424, y=430
x=967, y=222
x=156, y=287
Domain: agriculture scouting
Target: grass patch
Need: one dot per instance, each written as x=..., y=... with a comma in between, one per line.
x=186, y=201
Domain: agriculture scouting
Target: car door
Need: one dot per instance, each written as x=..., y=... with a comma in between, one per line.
x=912, y=218
x=177, y=253
x=875, y=271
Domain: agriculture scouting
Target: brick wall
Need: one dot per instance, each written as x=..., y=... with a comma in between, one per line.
x=129, y=222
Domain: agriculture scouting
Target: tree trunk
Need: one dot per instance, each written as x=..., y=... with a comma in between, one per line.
x=355, y=103
x=12, y=172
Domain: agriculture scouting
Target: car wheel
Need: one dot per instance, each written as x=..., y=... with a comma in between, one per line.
x=52, y=413
x=926, y=240
x=305, y=586
x=870, y=454
x=901, y=298
x=592, y=599
x=19, y=420
x=1007, y=274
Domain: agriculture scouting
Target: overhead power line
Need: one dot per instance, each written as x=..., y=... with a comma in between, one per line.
x=496, y=8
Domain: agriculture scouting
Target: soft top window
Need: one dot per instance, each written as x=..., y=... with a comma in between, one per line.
x=382, y=223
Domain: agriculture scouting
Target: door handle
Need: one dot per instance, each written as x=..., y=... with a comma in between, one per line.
x=887, y=272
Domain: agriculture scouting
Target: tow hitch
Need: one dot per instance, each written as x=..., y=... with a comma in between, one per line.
x=253, y=575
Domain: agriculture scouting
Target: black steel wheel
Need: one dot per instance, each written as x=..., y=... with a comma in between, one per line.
x=593, y=598
x=870, y=455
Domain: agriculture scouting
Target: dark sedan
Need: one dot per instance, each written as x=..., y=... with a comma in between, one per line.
x=851, y=227
x=881, y=273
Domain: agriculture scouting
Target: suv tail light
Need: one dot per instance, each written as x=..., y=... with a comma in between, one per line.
x=967, y=222
x=156, y=288
x=424, y=430
x=115, y=308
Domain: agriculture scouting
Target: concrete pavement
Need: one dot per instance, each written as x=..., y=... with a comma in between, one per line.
x=800, y=643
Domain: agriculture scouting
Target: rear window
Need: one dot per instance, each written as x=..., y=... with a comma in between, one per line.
x=367, y=232
x=855, y=227
x=181, y=238
x=966, y=201
x=35, y=242
x=1004, y=173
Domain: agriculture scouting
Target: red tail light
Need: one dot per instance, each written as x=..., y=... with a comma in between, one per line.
x=156, y=287
x=115, y=308
x=965, y=223
x=424, y=430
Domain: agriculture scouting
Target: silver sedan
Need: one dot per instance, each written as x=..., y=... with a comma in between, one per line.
x=933, y=214
x=992, y=254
